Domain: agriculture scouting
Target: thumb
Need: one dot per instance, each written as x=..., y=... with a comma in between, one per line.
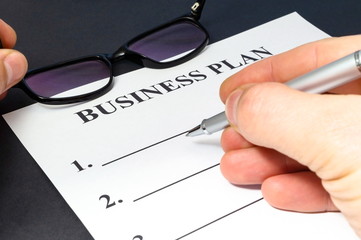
x=321, y=132
x=297, y=124
x=13, y=66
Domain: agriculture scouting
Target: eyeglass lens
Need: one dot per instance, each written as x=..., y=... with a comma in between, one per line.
x=170, y=43
x=70, y=80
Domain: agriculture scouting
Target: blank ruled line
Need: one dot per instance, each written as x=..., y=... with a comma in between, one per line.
x=145, y=148
x=176, y=182
x=218, y=219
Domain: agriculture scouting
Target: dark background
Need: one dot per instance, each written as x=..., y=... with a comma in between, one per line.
x=51, y=31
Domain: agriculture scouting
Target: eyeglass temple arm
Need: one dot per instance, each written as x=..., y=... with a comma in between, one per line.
x=197, y=9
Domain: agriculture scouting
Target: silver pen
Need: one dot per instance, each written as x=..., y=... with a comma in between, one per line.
x=320, y=80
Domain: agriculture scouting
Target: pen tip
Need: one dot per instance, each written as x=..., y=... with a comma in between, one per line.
x=195, y=132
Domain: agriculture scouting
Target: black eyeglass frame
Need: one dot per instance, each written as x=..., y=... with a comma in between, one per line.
x=122, y=53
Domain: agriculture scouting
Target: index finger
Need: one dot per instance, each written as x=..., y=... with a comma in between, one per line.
x=293, y=63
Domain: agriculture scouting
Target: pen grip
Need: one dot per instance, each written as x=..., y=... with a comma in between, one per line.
x=329, y=76
x=215, y=123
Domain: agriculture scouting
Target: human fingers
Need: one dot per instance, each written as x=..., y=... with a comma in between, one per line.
x=13, y=66
x=7, y=35
x=302, y=191
x=319, y=131
x=254, y=165
x=298, y=61
x=232, y=140
x=299, y=192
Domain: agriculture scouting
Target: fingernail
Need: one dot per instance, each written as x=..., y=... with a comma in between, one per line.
x=14, y=68
x=232, y=106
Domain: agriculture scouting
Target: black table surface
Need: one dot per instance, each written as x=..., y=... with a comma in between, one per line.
x=52, y=31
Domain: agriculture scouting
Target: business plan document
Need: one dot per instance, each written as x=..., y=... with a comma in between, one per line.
x=123, y=164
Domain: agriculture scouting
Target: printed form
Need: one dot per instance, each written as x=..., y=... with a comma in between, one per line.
x=123, y=164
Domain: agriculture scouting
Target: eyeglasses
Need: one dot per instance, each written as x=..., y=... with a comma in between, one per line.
x=89, y=77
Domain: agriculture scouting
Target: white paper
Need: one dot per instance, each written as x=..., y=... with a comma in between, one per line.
x=173, y=189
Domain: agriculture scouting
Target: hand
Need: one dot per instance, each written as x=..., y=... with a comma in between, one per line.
x=13, y=65
x=303, y=148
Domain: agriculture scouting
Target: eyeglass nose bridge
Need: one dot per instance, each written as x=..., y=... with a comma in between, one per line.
x=118, y=55
x=123, y=53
